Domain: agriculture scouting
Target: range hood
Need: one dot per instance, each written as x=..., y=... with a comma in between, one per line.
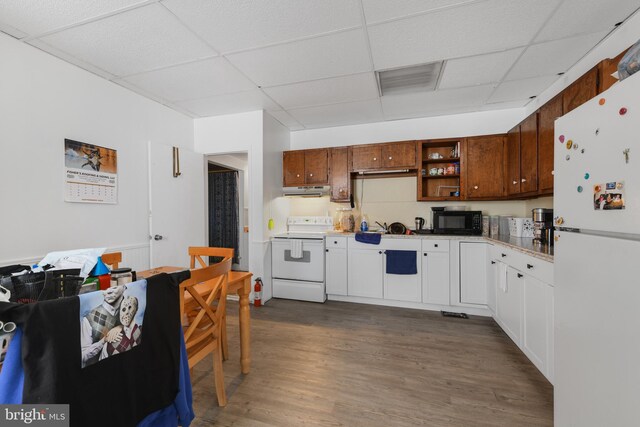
x=317, y=191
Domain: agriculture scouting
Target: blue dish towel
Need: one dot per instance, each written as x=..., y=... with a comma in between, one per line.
x=401, y=262
x=370, y=238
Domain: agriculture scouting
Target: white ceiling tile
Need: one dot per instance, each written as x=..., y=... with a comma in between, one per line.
x=474, y=29
x=586, y=16
x=553, y=57
x=229, y=104
x=35, y=17
x=199, y=79
x=522, y=89
x=327, y=56
x=383, y=10
x=339, y=114
x=286, y=119
x=326, y=91
x=242, y=24
x=425, y=103
x=478, y=70
x=132, y=42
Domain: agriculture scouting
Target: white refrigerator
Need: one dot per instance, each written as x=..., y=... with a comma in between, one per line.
x=597, y=261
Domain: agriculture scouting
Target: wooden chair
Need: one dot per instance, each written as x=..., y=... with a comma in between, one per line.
x=203, y=334
x=196, y=253
x=112, y=259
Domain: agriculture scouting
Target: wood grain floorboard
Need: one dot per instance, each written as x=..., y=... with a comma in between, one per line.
x=342, y=364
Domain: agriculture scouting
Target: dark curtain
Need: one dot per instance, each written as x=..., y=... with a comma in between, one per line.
x=223, y=211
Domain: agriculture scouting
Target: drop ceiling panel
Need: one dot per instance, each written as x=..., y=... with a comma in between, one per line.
x=383, y=10
x=328, y=56
x=553, y=57
x=474, y=29
x=416, y=104
x=132, y=42
x=505, y=105
x=339, y=114
x=286, y=119
x=229, y=104
x=355, y=87
x=478, y=70
x=242, y=24
x=199, y=79
x=521, y=89
x=586, y=16
x=35, y=17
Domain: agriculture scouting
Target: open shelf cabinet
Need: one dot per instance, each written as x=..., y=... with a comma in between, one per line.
x=440, y=187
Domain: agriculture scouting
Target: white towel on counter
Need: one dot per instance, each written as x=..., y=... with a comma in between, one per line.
x=296, y=248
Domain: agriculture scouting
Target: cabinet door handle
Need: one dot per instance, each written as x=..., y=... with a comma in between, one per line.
x=553, y=172
x=310, y=174
x=335, y=242
x=493, y=262
x=425, y=254
x=475, y=187
x=298, y=176
x=326, y=250
x=435, y=245
x=524, y=180
x=529, y=266
x=375, y=158
x=515, y=182
x=520, y=276
x=390, y=158
x=504, y=255
x=380, y=252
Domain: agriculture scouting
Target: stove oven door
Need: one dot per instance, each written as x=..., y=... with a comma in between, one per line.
x=308, y=268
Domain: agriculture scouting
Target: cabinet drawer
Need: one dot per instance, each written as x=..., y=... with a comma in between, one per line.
x=541, y=270
x=433, y=245
x=400, y=244
x=336, y=242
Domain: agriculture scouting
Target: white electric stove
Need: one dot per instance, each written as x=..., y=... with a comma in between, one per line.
x=299, y=274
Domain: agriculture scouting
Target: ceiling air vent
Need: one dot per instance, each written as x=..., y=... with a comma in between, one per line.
x=417, y=78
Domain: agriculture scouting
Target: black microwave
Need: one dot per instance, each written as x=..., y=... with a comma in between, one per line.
x=467, y=223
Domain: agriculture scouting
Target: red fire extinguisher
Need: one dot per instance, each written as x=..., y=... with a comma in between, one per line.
x=257, y=293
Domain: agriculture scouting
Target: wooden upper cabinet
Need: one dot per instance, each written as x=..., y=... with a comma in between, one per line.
x=546, y=139
x=399, y=155
x=366, y=157
x=529, y=154
x=339, y=176
x=512, y=161
x=580, y=91
x=316, y=166
x=293, y=168
x=484, y=167
x=606, y=69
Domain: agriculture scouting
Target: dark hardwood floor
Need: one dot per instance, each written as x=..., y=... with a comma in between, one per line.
x=340, y=364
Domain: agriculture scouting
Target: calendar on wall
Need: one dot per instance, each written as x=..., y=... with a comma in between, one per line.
x=90, y=173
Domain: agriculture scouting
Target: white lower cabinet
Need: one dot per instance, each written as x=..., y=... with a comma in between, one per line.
x=435, y=278
x=473, y=272
x=403, y=287
x=509, y=304
x=538, y=323
x=492, y=285
x=365, y=273
x=336, y=271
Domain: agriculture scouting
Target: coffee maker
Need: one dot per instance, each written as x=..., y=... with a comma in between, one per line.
x=542, y=225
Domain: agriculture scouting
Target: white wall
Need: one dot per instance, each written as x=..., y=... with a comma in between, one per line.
x=264, y=139
x=45, y=100
x=453, y=126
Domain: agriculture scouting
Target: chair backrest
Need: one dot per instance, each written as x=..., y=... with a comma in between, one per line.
x=216, y=277
x=112, y=259
x=197, y=252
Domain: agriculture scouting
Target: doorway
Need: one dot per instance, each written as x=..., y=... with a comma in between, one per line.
x=227, y=210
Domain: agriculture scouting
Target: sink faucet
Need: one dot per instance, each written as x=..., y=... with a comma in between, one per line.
x=383, y=227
